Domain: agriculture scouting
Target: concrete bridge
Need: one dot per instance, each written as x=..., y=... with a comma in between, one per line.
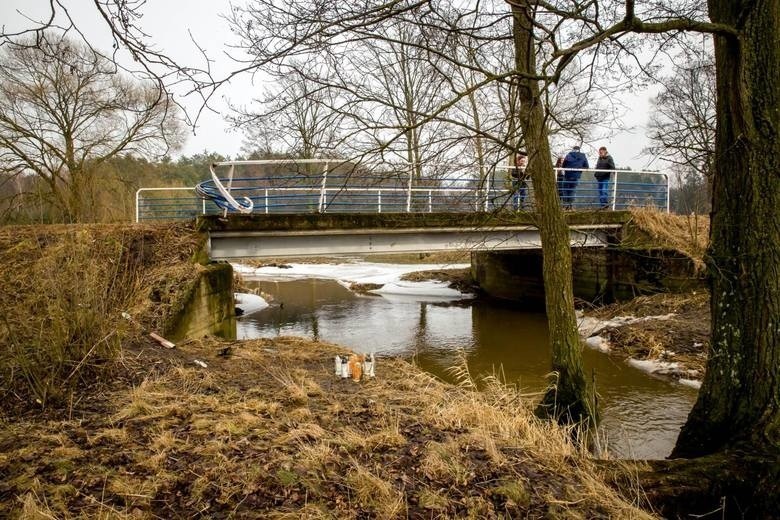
x=506, y=256
x=283, y=235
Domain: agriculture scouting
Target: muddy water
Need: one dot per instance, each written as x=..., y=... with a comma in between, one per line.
x=641, y=415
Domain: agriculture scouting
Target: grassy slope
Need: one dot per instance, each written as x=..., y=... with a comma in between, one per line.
x=266, y=430
x=687, y=234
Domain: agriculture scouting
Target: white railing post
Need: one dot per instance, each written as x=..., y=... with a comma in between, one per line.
x=430, y=201
x=409, y=190
x=489, y=180
x=266, y=201
x=137, y=205
x=322, y=188
x=379, y=201
x=614, y=191
x=668, y=193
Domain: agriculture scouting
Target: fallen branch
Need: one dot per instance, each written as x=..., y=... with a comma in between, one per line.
x=162, y=341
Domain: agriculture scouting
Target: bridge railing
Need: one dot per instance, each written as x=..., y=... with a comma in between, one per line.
x=171, y=204
x=332, y=186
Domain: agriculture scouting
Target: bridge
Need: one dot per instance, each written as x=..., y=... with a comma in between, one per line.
x=277, y=208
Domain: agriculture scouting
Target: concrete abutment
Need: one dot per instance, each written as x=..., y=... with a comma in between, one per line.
x=600, y=275
x=208, y=307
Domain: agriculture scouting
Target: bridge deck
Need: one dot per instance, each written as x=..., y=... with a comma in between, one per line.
x=256, y=236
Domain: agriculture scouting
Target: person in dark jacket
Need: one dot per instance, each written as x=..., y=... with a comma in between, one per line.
x=605, y=162
x=573, y=164
x=559, y=176
x=519, y=177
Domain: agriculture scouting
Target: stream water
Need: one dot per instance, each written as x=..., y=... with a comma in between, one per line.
x=641, y=414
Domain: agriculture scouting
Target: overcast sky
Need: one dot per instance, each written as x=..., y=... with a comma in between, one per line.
x=170, y=22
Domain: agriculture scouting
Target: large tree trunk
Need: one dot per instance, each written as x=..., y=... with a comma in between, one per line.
x=569, y=400
x=739, y=402
x=721, y=485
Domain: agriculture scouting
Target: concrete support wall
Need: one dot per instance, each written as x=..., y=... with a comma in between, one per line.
x=600, y=275
x=209, y=308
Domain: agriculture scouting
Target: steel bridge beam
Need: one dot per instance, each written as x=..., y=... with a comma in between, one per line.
x=234, y=245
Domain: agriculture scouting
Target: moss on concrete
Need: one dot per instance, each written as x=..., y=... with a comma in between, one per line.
x=207, y=306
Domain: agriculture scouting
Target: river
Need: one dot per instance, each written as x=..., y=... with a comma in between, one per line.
x=641, y=414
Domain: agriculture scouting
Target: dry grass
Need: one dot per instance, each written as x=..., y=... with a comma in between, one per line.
x=688, y=234
x=375, y=493
x=61, y=324
x=228, y=440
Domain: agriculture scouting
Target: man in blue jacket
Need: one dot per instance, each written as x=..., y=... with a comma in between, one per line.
x=573, y=164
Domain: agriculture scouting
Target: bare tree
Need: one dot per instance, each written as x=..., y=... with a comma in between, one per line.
x=64, y=110
x=739, y=402
x=404, y=83
x=682, y=124
x=298, y=116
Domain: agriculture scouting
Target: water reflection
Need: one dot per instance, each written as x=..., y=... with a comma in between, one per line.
x=641, y=414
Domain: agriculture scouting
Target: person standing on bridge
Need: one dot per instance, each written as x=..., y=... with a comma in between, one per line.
x=573, y=164
x=559, y=176
x=606, y=166
x=519, y=178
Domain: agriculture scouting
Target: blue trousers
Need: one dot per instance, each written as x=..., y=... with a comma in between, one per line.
x=603, y=192
x=570, y=181
x=520, y=189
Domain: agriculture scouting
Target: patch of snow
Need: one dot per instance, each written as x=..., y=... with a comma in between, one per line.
x=598, y=343
x=693, y=383
x=387, y=275
x=589, y=326
x=249, y=303
x=592, y=326
x=428, y=288
x=654, y=366
x=353, y=272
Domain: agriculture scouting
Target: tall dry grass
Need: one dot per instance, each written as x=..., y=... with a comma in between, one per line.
x=688, y=234
x=64, y=290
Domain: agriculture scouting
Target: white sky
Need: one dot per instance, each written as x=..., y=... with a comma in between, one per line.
x=169, y=24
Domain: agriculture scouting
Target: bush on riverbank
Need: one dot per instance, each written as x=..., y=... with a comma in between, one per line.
x=65, y=290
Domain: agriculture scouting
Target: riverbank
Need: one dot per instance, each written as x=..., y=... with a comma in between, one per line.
x=266, y=430
x=259, y=429
x=664, y=334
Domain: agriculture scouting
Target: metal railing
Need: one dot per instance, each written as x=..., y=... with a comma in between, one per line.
x=332, y=186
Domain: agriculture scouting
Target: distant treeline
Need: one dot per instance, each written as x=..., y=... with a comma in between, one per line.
x=25, y=199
